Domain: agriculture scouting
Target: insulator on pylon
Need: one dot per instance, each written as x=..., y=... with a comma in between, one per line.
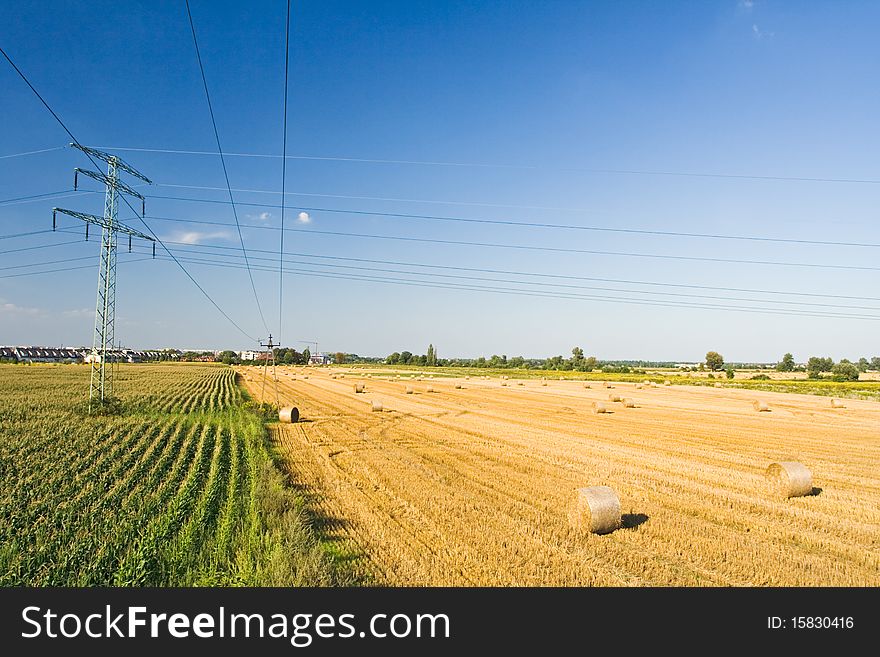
x=75, y=178
x=154, y=250
x=53, y=219
x=129, y=243
x=143, y=208
x=87, y=231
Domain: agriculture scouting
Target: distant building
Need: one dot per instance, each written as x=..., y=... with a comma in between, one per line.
x=319, y=359
x=41, y=355
x=249, y=355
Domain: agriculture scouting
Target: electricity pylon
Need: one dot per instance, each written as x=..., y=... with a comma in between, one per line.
x=101, y=381
x=270, y=353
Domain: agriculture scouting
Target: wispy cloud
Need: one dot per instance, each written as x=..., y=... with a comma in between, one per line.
x=262, y=216
x=746, y=4
x=13, y=309
x=304, y=218
x=78, y=312
x=196, y=236
x=758, y=33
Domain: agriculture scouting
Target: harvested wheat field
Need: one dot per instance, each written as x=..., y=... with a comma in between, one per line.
x=472, y=486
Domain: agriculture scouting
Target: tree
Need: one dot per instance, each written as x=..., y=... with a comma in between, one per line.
x=405, y=357
x=339, y=357
x=875, y=363
x=786, y=364
x=815, y=365
x=307, y=355
x=714, y=361
x=730, y=373
x=845, y=371
x=429, y=358
x=863, y=364
x=228, y=357
x=590, y=364
x=577, y=358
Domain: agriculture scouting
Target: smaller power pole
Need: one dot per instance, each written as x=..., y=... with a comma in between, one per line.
x=270, y=353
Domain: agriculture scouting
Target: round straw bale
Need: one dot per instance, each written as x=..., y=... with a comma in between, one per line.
x=613, y=397
x=520, y=383
x=467, y=378
x=629, y=403
x=760, y=406
x=836, y=403
x=409, y=390
x=504, y=383
x=718, y=385
x=790, y=479
x=586, y=385
x=358, y=387
x=305, y=376
x=429, y=389
x=667, y=382
x=595, y=509
x=543, y=383
x=376, y=406
x=639, y=386
x=599, y=407
x=288, y=414
x=458, y=386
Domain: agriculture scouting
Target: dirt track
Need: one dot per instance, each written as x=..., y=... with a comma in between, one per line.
x=471, y=486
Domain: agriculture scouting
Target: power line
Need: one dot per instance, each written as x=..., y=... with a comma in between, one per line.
x=555, y=295
x=42, y=150
x=40, y=246
x=150, y=230
x=535, y=224
x=529, y=247
x=60, y=194
x=223, y=162
x=543, y=284
x=503, y=222
x=283, y=174
x=515, y=291
x=543, y=275
x=28, y=234
x=524, y=167
x=43, y=264
x=68, y=269
x=387, y=198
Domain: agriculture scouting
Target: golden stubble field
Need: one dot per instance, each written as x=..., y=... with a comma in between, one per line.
x=471, y=486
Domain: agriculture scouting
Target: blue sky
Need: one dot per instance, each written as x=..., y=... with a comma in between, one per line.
x=553, y=95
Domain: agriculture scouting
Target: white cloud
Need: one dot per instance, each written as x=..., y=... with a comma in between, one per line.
x=79, y=312
x=304, y=218
x=264, y=216
x=746, y=4
x=12, y=309
x=759, y=34
x=196, y=236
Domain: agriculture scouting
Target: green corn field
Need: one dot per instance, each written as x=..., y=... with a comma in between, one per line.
x=176, y=489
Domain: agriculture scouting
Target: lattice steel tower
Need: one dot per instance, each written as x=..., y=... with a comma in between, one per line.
x=101, y=382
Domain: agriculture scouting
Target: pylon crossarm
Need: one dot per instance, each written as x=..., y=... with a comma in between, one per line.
x=102, y=222
x=107, y=157
x=106, y=180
